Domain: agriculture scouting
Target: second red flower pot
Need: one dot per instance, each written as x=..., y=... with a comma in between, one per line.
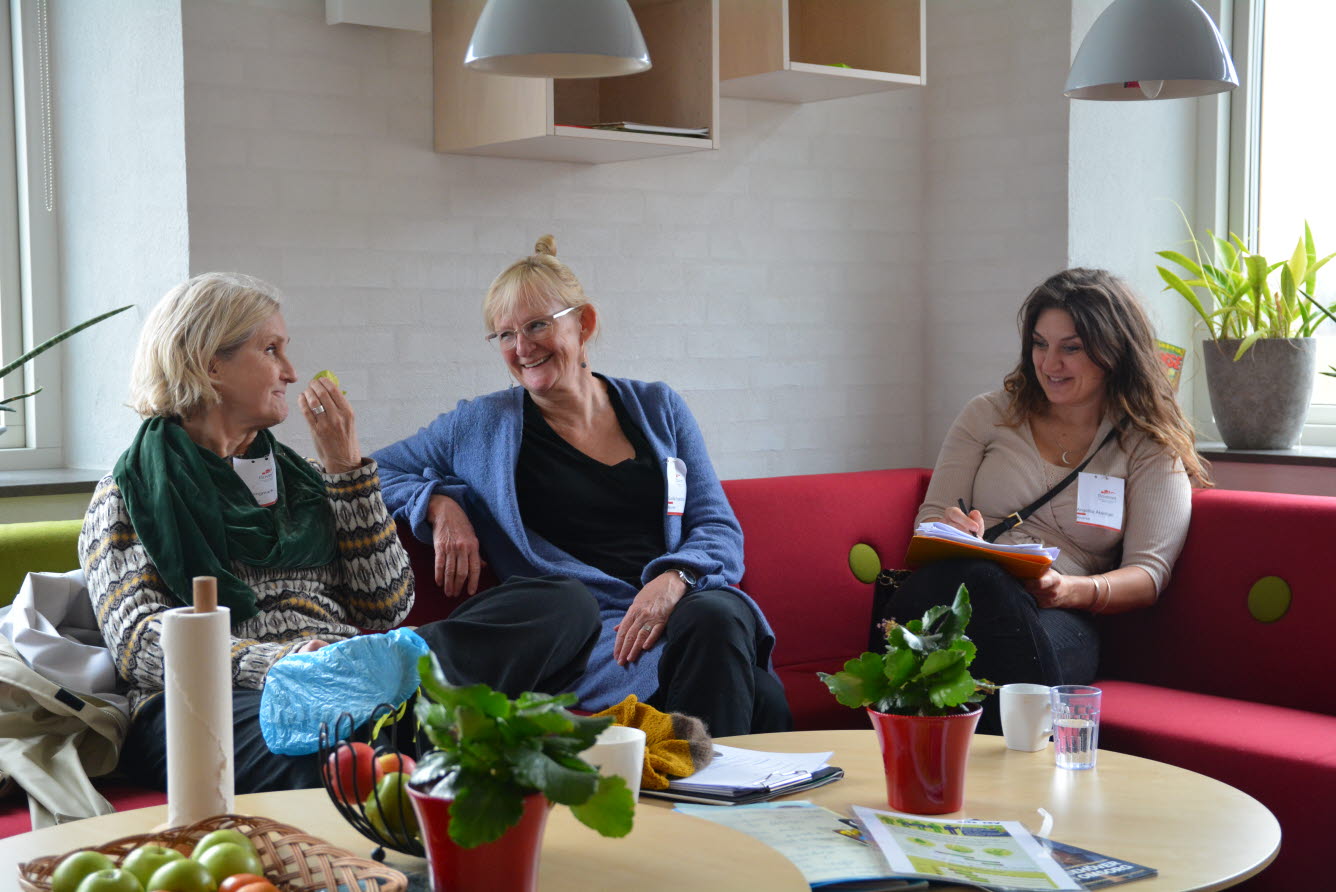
x=925, y=759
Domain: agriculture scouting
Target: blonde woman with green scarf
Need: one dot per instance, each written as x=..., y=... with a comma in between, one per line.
x=305, y=552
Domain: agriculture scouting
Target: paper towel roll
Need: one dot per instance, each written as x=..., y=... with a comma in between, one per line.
x=197, y=670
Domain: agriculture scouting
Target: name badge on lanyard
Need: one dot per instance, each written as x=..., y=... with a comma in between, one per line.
x=1099, y=501
x=676, y=471
x=260, y=478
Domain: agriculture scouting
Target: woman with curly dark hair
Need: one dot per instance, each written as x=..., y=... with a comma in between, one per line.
x=1089, y=385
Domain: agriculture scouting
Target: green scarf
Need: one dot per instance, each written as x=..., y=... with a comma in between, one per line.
x=195, y=516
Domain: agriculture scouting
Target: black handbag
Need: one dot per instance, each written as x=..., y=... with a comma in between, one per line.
x=889, y=581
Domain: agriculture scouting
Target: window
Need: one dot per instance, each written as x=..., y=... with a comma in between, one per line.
x=11, y=296
x=28, y=260
x=1284, y=173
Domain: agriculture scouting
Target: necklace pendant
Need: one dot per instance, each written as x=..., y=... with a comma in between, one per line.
x=1064, y=457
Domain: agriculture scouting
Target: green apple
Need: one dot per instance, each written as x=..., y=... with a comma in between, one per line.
x=389, y=809
x=144, y=860
x=227, y=834
x=114, y=879
x=73, y=868
x=186, y=875
x=227, y=858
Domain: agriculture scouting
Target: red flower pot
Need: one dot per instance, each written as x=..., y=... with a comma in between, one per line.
x=925, y=758
x=510, y=864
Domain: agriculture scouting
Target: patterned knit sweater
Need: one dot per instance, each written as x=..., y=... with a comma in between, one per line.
x=368, y=586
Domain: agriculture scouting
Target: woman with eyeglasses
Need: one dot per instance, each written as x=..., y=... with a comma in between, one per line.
x=601, y=480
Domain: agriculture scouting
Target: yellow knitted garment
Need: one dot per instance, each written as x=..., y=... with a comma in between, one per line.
x=676, y=745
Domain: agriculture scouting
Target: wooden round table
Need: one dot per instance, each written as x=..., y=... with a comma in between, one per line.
x=1199, y=833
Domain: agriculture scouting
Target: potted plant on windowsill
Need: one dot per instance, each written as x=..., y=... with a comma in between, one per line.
x=924, y=705
x=39, y=350
x=1260, y=359
x=482, y=793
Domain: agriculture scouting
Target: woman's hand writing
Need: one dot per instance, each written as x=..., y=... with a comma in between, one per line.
x=332, y=428
x=458, y=558
x=647, y=617
x=971, y=523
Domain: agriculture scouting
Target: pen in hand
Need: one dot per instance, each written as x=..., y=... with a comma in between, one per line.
x=960, y=503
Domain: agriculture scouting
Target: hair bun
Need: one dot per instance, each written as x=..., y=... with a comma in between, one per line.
x=546, y=245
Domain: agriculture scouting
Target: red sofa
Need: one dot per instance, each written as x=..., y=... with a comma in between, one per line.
x=1195, y=681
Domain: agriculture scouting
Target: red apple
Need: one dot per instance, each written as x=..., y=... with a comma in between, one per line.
x=351, y=772
x=235, y=882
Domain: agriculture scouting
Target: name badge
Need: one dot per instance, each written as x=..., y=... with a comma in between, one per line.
x=676, y=470
x=1099, y=501
x=260, y=478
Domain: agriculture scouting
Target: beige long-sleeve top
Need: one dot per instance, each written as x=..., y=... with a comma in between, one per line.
x=998, y=470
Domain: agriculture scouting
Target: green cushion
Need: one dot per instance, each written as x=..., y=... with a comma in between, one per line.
x=46, y=545
x=864, y=562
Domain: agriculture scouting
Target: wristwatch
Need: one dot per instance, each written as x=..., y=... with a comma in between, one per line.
x=686, y=577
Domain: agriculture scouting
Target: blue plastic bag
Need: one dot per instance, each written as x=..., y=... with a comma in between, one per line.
x=352, y=676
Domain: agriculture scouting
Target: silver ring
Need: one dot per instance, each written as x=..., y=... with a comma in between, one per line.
x=318, y=409
x=647, y=627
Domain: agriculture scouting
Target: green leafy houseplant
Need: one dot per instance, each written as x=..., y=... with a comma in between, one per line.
x=490, y=752
x=924, y=671
x=47, y=345
x=1239, y=282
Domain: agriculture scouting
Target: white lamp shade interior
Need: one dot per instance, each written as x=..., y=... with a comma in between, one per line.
x=557, y=38
x=1151, y=49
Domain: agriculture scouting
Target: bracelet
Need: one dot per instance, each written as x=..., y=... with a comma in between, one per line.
x=1101, y=601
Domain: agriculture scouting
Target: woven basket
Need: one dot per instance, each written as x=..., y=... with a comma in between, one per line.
x=293, y=861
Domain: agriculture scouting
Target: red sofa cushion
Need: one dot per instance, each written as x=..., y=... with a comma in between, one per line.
x=1200, y=635
x=1283, y=758
x=797, y=536
x=15, y=819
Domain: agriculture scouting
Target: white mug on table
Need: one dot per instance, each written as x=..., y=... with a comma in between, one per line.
x=1027, y=717
x=619, y=751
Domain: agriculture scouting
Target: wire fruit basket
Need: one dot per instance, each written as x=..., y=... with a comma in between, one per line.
x=373, y=800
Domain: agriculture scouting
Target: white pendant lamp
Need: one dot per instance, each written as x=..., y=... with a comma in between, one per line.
x=1151, y=49
x=557, y=38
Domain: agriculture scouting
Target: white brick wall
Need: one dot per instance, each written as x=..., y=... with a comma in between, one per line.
x=777, y=283
x=997, y=188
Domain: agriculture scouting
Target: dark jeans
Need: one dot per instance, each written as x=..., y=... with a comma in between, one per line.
x=1017, y=640
x=525, y=635
x=709, y=668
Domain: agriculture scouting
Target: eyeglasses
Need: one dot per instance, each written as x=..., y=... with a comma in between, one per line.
x=539, y=329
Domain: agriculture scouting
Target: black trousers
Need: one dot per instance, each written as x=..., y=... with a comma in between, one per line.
x=710, y=668
x=1017, y=640
x=525, y=635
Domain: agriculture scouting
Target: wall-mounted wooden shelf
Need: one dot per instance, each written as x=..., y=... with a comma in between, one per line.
x=798, y=50
x=543, y=118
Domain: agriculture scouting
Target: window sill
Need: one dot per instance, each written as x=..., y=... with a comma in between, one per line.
x=50, y=482
x=1313, y=456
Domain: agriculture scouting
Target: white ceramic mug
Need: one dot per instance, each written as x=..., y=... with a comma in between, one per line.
x=1027, y=717
x=619, y=751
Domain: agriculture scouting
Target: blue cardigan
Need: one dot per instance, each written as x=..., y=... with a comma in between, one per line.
x=470, y=454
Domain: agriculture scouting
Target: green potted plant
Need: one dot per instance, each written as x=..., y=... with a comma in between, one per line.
x=483, y=791
x=39, y=350
x=923, y=703
x=1260, y=358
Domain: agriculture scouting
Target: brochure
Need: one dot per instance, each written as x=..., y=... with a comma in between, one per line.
x=822, y=845
x=993, y=855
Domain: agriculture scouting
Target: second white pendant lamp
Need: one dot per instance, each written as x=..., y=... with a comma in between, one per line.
x=557, y=38
x=1151, y=49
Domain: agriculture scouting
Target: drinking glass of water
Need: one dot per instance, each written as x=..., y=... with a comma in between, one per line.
x=1075, y=725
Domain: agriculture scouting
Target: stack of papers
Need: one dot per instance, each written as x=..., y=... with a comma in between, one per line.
x=939, y=541
x=737, y=776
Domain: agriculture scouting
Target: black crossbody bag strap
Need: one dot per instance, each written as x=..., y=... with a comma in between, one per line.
x=1015, y=519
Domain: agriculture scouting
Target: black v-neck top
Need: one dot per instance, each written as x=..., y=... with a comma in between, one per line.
x=607, y=516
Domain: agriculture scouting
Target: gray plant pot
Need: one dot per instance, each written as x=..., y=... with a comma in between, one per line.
x=1261, y=401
